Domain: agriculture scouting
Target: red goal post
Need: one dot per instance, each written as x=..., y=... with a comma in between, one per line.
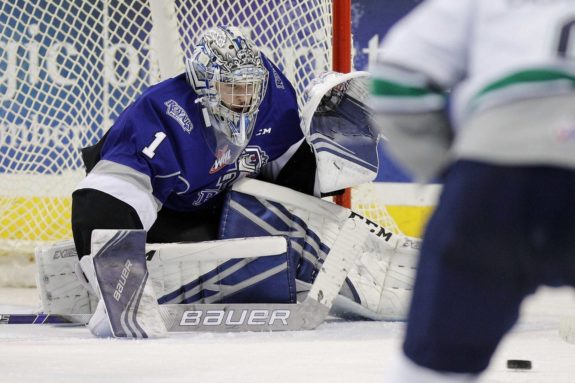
x=342, y=59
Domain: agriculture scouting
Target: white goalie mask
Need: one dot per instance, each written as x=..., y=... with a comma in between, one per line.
x=227, y=73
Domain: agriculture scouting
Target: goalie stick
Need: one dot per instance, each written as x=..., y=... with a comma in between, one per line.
x=306, y=315
x=209, y=317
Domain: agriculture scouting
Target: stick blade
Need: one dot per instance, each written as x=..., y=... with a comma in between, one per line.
x=244, y=317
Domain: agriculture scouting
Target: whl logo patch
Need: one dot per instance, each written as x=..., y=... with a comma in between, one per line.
x=174, y=110
x=223, y=157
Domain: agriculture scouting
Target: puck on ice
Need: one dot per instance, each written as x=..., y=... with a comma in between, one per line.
x=518, y=364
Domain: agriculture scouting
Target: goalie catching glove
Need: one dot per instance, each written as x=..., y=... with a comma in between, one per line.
x=337, y=125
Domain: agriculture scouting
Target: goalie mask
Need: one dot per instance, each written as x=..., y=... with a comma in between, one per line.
x=227, y=73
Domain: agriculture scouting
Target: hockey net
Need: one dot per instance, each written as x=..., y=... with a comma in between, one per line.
x=69, y=67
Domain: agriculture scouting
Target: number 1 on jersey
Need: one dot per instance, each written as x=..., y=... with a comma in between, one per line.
x=150, y=150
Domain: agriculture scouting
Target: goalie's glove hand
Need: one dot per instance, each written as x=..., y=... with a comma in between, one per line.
x=331, y=97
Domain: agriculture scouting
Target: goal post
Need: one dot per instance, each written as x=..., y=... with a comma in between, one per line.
x=342, y=60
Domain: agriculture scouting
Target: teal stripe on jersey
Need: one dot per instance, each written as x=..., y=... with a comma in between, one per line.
x=521, y=85
x=528, y=76
x=386, y=88
x=393, y=97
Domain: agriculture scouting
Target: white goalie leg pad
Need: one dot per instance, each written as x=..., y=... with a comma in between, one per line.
x=182, y=271
x=252, y=210
x=171, y=266
x=379, y=283
x=99, y=323
x=383, y=278
x=60, y=291
x=399, y=280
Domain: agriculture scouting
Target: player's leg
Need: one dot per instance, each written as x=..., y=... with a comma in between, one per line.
x=245, y=270
x=378, y=284
x=468, y=286
x=253, y=270
x=173, y=226
x=552, y=224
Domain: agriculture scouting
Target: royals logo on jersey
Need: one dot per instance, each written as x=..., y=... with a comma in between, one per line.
x=252, y=160
x=277, y=79
x=174, y=110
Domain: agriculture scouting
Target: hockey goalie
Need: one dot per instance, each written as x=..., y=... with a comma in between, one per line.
x=281, y=251
x=202, y=209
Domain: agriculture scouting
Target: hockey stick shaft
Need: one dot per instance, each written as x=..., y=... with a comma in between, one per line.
x=249, y=317
x=79, y=319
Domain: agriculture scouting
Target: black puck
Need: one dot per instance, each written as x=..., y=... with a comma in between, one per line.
x=518, y=364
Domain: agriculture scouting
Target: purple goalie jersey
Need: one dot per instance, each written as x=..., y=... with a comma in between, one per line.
x=157, y=145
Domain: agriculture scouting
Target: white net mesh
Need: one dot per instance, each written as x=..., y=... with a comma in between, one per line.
x=366, y=199
x=69, y=67
x=301, y=40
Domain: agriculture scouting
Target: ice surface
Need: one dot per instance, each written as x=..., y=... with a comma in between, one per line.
x=335, y=352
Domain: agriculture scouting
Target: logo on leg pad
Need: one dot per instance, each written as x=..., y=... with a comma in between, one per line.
x=122, y=281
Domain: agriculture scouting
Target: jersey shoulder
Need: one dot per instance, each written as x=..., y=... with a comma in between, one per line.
x=278, y=125
x=168, y=106
x=278, y=84
x=155, y=125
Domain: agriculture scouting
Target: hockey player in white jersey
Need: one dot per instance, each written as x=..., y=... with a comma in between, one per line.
x=481, y=95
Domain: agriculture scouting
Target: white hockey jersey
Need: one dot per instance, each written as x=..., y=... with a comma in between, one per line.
x=496, y=59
